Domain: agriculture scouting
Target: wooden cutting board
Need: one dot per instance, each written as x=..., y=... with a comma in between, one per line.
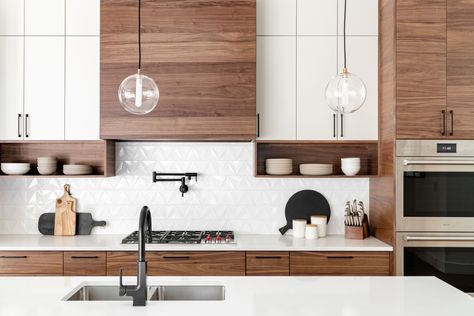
x=65, y=218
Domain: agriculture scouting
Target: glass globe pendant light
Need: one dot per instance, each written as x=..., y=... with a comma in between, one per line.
x=138, y=94
x=345, y=93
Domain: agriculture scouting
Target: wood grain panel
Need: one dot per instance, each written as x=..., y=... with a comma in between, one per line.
x=319, y=152
x=339, y=263
x=267, y=263
x=201, y=53
x=460, y=76
x=123, y=260
x=421, y=68
x=81, y=263
x=31, y=263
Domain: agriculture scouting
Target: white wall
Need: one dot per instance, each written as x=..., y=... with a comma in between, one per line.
x=226, y=196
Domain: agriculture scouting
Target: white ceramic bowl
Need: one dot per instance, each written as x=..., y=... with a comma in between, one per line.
x=47, y=159
x=15, y=168
x=46, y=170
x=350, y=169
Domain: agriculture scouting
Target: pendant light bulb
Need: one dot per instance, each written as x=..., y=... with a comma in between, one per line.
x=138, y=94
x=345, y=93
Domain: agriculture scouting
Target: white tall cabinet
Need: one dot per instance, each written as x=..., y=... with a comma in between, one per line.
x=291, y=81
x=49, y=69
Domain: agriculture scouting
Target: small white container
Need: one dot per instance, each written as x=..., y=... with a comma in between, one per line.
x=350, y=166
x=311, y=231
x=299, y=228
x=322, y=222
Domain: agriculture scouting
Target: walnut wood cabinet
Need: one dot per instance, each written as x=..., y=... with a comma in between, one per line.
x=267, y=263
x=81, y=263
x=31, y=263
x=434, y=66
x=202, y=55
x=339, y=263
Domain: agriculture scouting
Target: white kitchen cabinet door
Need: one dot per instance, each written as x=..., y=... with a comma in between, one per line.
x=317, y=17
x=276, y=17
x=317, y=64
x=362, y=60
x=44, y=88
x=83, y=17
x=11, y=87
x=362, y=17
x=45, y=17
x=82, y=88
x=11, y=17
x=276, y=87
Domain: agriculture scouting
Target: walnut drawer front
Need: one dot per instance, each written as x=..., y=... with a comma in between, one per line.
x=84, y=263
x=210, y=263
x=31, y=263
x=339, y=263
x=268, y=263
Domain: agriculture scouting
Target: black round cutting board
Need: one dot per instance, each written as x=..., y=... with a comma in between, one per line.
x=304, y=204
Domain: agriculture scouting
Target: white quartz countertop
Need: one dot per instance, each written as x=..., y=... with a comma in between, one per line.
x=243, y=243
x=249, y=296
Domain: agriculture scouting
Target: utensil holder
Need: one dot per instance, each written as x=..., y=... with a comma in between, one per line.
x=358, y=232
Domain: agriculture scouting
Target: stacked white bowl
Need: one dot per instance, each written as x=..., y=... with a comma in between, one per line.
x=15, y=168
x=316, y=169
x=279, y=166
x=350, y=166
x=76, y=169
x=47, y=165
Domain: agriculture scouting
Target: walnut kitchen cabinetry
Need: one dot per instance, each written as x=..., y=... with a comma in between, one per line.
x=31, y=263
x=81, y=263
x=267, y=263
x=435, y=75
x=339, y=263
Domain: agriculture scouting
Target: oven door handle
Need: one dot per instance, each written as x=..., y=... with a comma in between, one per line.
x=407, y=162
x=439, y=238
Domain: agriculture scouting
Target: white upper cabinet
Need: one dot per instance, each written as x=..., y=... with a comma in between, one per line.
x=276, y=17
x=44, y=88
x=317, y=64
x=362, y=60
x=83, y=17
x=317, y=17
x=11, y=17
x=11, y=88
x=82, y=88
x=276, y=87
x=45, y=17
x=362, y=17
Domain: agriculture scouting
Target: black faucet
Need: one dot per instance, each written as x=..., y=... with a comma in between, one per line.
x=139, y=292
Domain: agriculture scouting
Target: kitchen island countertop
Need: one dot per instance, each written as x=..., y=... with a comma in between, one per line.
x=325, y=296
x=244, y=242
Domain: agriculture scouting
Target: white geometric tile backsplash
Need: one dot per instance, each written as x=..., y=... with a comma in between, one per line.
x=226, y=195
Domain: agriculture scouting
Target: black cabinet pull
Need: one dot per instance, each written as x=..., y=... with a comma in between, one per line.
x=451, y=113
x=443, y=117
x=334, y=125
x=340, y=257
x=13, y=257
x=19, y=125
x=342, y=125
x=258, y=124
x=176, y=257
x=84, y=257
x=268, y=257
x=26, y=126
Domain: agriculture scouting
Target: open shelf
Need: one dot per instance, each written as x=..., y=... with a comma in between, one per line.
x=317, y=152
x=98, y=154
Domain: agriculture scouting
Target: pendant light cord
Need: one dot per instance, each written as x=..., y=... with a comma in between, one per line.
x=139, y=35
x=345, y=58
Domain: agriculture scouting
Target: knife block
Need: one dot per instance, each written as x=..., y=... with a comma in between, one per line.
x=358, y=232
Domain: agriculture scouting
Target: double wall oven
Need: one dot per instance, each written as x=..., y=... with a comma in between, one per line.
x=435, y=210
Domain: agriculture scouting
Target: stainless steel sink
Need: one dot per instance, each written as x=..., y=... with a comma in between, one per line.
x=155, y=293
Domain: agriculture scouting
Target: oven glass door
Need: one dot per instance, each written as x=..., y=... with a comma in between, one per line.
x=452, y=265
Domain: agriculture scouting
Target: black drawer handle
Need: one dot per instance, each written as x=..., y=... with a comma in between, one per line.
x=13, y=257
x=268, y=257
x=84, y=257
x=176, y=257
x=340, y=257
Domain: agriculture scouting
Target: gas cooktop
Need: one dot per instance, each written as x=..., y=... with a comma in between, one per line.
x=184, y=237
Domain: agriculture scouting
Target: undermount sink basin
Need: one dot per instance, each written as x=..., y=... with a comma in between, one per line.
x=155, y=293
